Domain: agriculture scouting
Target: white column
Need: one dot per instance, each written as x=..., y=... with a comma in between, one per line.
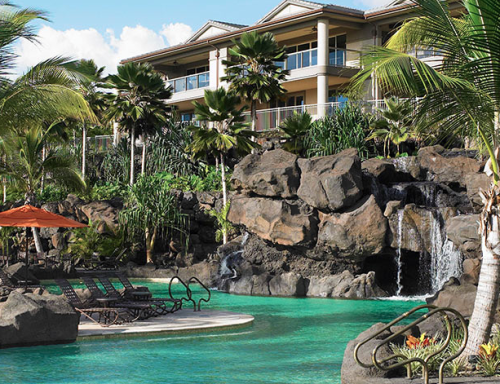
x=213, y=63
x=217, y=69
x=323, y=54
x=222, y=68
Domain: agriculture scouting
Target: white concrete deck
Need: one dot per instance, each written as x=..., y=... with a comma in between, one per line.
x=183, y=321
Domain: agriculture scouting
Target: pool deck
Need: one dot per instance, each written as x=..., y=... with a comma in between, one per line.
x=183, y=321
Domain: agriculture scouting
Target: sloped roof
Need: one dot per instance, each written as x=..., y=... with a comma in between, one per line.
x=227, y=27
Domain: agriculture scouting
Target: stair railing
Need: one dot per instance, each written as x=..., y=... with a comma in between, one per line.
x=189, y=295
x=433, y=310
x=194, y=279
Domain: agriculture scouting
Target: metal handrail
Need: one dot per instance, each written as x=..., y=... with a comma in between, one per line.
x=196, y=280
x=433, y=310
x=188, y=291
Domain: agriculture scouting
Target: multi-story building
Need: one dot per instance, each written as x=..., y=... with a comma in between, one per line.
x=323, y=42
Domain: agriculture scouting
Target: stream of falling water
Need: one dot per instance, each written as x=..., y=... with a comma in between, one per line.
x=446, y=260
x=399, y=260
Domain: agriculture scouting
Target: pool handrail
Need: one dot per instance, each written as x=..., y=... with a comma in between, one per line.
x=194, y=279
x=188, y=292
x=433, y=310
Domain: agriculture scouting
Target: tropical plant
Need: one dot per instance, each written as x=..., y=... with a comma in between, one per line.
x=228, y=130
x=252, y=71
x=115, y=167
x=5, y=237
x=89, y=86
x=139, y=104
x=394, y=124
x=25, y=166
x=489, y=359
x=84, y=242
x=462, y=94
x=419, y=348
x=224, y=225
x=168, y=151
x=45, y=92
x=295, y=129
x=346, y=128
x=152, y=210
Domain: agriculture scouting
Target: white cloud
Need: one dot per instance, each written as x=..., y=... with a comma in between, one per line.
x=106, y=50
x=176, y=33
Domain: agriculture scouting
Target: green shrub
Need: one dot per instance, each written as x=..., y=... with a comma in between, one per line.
x=346, y=128
x=53, y=193
x=108, y=191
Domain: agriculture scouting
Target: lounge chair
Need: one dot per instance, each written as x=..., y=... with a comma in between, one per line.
x=107, y=316
x=130, y=290
x=6, y=281
x=140, y=310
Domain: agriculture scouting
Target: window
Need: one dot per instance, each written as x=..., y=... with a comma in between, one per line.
x=337, y=54
x=193, y=71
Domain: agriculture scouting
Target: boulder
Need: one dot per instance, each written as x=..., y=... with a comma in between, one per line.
x=283, y=222
x=17, y=272
x=345, y=285
x=287, y=284
x=355, y=234
x=472, y=267
x=457, y=296
x=260, y=284
x=352, y=372
x=274, y=174
x=383, y=170
x=446, y=169
x=463, y=231
x=31, y=319
x=409, y=166
x=474, y=183
x=331, y=182
x=102, y=211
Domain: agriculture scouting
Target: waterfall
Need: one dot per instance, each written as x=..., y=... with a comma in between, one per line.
x=227, y=270
x=399, y=260
x=446, y=260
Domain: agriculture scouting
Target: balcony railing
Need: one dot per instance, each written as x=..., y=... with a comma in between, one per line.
x=187, y=83
x=337, y=57
x=270, y=119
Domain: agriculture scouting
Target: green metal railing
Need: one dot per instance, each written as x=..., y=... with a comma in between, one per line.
x=433, y=310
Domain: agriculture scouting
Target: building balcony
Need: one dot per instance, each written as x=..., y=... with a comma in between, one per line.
x=270, y=119
x=189, y=87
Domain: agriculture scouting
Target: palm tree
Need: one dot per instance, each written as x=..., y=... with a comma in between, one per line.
x=462, y=93
x=228, y=132
x=296, y=128
x=139, y=104
x=252, y=71
x=394, y=125
x=89, y=86
x=26, y=168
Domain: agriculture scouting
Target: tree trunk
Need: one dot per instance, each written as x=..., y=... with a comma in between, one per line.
x=143, y=162
x=42, y=181
x=4, y=182
x=224, y=191
x=150, y=244
x=38, y=240
x=132, y=154
x=84, y=149
x=486, y=301
x=253, y=112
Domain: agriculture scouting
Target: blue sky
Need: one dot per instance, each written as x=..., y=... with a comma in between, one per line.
x=110, y=30
x=115, y=14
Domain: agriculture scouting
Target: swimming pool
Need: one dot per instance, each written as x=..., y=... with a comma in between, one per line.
x=291, y=341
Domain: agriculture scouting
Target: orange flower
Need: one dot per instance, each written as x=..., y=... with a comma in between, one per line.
x=488, y=350
x=414, y=343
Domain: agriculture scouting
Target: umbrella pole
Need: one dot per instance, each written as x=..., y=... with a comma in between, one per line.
x=26, y=260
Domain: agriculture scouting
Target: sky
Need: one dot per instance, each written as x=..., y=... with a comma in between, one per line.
x=111, y=30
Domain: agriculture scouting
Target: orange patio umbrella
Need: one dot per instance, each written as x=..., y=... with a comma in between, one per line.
x=29, y=216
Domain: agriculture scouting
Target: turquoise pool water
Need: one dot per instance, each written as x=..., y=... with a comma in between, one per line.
x=291, y=341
